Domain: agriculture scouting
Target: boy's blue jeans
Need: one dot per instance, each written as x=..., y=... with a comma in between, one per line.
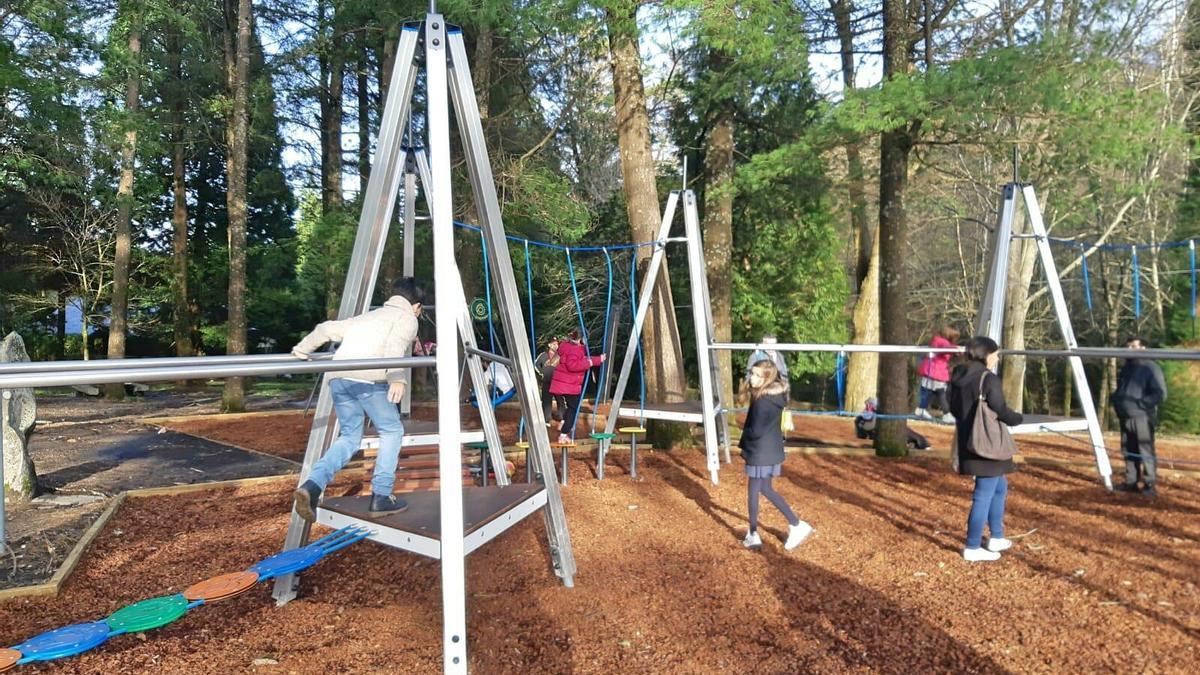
x=987, y=506
x=351, y=401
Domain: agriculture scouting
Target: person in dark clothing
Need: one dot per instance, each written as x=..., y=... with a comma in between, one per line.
x=545, y=364
x=864, y=426
x=972, y=382
x=1140, y=389
x=762, y=449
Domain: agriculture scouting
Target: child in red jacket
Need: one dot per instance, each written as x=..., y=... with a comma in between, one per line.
x=935, y=375
x=573, y=366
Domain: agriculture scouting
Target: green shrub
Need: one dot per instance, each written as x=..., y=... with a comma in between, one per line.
x=1181, y=412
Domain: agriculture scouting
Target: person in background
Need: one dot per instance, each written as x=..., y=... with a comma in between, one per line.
x=864, y=426
x=573, y=366
x=767, y=355
x=972, y=383
x=762, y=449
x=1141, y=388
x=545, y=363
x=387, y=332
x=934, y=373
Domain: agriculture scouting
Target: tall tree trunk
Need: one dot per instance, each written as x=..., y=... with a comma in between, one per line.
x=718, y=223
x=387, y=61
x=665, y=377
x=894, y=147
x=239, y=122
x=1022, y=263
x=125, y=200
x=333, y=76
x=364, y=113
x=179, y=211
x=862, y=371
x=61, y=320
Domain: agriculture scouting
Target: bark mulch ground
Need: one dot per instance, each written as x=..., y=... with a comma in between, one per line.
x=1097, y=581
x=286, y=434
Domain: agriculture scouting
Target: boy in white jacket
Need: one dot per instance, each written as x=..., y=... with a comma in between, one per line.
x=387, y=332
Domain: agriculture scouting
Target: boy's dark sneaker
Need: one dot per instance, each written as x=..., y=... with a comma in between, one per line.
x=1149, y=491
x=382, y=505
x=1127, y=487
x=305, y=498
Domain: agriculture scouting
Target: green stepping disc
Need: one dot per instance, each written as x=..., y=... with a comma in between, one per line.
x=478, y=445
x=603, y=436
x=148, y=614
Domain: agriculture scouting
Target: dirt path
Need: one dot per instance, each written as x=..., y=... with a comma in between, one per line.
x=1098, y=582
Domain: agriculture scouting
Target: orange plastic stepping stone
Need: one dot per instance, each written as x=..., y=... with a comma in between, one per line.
x=221, y=587
x=8, y=658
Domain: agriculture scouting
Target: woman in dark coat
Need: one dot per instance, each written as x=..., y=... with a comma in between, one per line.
x=762, y=448
x=991, y=483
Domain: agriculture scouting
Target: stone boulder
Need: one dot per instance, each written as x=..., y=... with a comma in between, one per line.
x=18, y=414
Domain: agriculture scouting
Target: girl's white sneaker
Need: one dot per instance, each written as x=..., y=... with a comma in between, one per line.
x=752, y=540
x=998, y=544
x=797, y=534
x=979, y=555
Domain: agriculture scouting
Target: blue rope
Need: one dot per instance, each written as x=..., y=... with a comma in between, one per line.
x=604, y=341
x=529, y=296
x=582, y=335
x=1137, y=286
x=1121, y=247
x=560, y=247
x=1087, y=283
x=840, y=379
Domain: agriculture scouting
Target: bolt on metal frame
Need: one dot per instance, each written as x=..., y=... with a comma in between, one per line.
x=448, y=81
x=712, y=416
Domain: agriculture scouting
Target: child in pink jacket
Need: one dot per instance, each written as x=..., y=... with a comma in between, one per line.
x=934, y=372
x=573, y=366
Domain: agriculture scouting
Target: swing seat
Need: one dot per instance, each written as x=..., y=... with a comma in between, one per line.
x=496, y=401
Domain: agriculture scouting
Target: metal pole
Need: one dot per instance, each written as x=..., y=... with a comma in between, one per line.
x=1082, y=391
x=990, y=321
x=639, y=319
x=454, y=607
x=66, y=378
x=472, y=353
x=156, y=362
x=378, y=203
x=410, y=226
x=702, y=322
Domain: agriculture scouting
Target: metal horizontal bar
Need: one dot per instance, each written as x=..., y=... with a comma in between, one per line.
x=835, y=348
x=1111, y=353
x=1081, y=352
x=490, y=356
x=295, y=365
x=156, y=362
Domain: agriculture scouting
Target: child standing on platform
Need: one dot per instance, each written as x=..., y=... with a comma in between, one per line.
x=573, y=366
x=935, y=375
x=762, y=449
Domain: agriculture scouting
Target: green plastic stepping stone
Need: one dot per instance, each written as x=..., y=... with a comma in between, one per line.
x=478, y=445
x=601, y=436
x=148, y=614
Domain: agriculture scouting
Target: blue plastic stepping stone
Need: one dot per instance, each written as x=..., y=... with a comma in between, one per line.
x=288, y=562
x=62, y=642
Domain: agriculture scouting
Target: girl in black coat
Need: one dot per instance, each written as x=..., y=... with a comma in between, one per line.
x=991, y=485
x=762, y=448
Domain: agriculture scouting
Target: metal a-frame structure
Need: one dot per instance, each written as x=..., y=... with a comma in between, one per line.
x=488, y=511
x=710, y=410
x=991, y=317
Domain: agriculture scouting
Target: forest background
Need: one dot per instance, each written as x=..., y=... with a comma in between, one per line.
x=182, y=178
